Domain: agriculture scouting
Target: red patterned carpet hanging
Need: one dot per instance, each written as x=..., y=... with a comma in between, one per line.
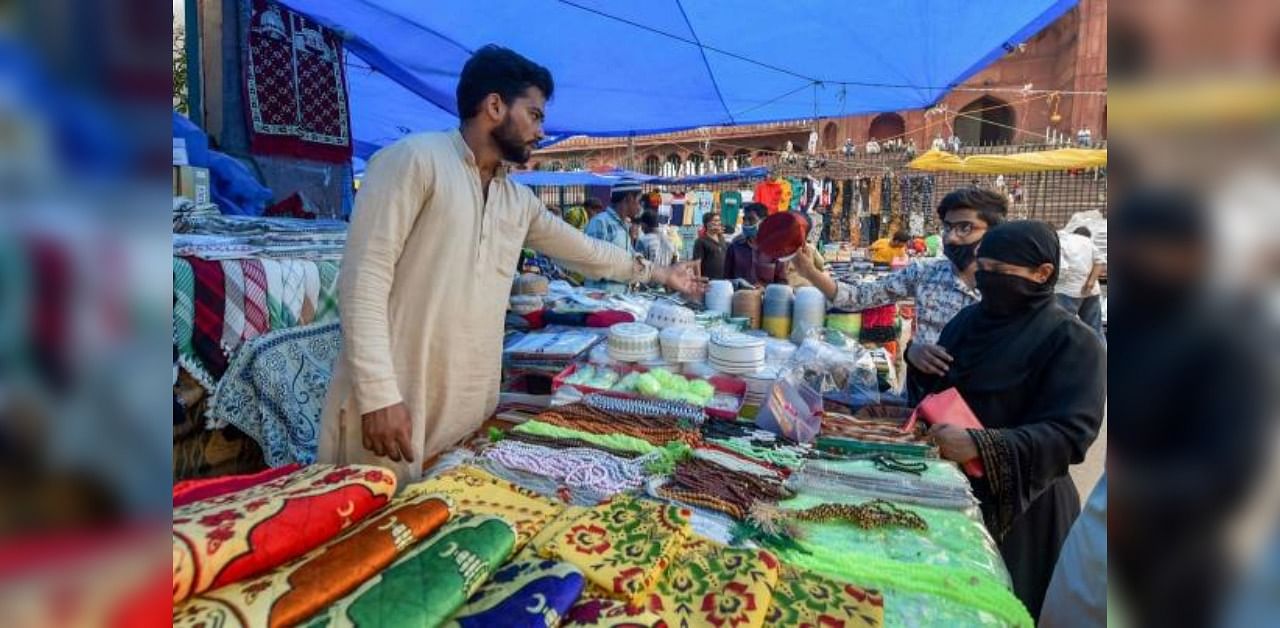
x=295, y=87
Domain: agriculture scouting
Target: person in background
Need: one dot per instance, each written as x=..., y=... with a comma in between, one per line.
x=940, y=288
x=592, y=206
x=710, y=248
x=611, y=225
x=1078, y=291
x=742, y=261
x=555, y=211
x=1036, y=379
x=885, y=250
x=653, y=245
x=421, y=358
x=670, y=232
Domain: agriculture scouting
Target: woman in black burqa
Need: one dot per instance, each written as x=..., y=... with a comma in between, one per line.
x=1035, y=376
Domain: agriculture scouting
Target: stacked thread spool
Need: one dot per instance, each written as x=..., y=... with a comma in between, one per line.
x=776, y=311
x=809, y=311
x=748, y=304
x=719, y=297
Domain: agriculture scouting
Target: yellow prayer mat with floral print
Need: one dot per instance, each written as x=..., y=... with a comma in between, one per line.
x=622, y=546
x=474, y=491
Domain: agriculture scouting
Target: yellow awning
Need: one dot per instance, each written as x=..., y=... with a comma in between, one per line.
x=1060, y=159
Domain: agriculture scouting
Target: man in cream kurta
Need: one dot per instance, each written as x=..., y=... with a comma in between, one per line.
x=423, y=295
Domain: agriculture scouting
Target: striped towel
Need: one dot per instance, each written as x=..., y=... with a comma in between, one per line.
x=210, y=306
x=327, y=306
x=256, y=319
x=278, y=313
x=295, y=288
x=184, y=312
x=233, y=321
x=310, y=292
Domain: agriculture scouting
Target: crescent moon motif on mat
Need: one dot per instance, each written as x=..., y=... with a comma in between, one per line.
x=346, y=511
x=539, y=605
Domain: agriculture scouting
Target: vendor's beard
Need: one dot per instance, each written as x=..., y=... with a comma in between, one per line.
x=509, y=144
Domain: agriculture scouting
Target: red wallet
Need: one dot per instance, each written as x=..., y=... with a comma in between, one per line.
x=949, y=408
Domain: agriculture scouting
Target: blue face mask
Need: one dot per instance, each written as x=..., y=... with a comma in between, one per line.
x=750, y=230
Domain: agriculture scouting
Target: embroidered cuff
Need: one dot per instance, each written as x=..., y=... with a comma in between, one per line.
x=997, y=462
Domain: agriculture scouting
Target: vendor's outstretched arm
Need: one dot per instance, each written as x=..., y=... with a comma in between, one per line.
x=862, y=295
x=598, y=259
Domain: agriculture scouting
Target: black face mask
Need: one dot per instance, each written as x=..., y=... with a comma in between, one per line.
x=961, y=254
x=1004, y=295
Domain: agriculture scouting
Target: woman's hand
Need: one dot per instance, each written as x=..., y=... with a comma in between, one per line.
x=804, y=264
x=953, y=443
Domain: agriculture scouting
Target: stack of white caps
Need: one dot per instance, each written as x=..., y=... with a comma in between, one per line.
x=736, y=353
x=684, y=343
x=664, y=314
x=633, y=342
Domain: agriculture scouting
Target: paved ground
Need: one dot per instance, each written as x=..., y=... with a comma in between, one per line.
x=1086, y=474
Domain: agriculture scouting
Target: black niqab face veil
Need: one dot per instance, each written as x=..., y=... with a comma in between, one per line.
x=1023, y=243
x=996, y=340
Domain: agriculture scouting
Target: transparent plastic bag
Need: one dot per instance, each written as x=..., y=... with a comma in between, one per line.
x=837, y=367
x=792, y=409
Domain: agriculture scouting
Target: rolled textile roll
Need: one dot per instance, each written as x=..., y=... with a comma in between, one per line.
x=748, y=304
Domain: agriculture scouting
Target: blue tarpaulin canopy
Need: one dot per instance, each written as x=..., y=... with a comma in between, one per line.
x=661, y=65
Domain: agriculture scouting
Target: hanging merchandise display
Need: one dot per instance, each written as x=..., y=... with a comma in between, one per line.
x=295, y=86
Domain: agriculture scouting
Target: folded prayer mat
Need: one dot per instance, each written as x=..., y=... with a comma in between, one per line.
x=622, y=546
x=188, y=491
x=804, y=598
x=233, y=537
x=474, y=491
x=528, y=592
x=297, y=590
x=427, y=585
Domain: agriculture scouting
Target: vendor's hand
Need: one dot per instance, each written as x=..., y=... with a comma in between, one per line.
x=803, y=263
x=953, y=443
x=389, y=432
x=682, y=278
x=930, y=359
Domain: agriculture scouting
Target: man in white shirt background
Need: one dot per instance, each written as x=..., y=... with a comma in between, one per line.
x=1082, y=264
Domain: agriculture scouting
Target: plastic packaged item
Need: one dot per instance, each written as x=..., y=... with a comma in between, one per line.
x=792, y=409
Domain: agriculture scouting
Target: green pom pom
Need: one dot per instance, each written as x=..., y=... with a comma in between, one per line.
x=496, y=434
x=702, y=388
x=648, y=385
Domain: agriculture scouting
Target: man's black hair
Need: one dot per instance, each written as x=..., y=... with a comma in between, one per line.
x=617, y=198
x=649, y=222
x=759, y=209
x=901, y=236
x=992, y=206
x=1084, y=231
x=593, y=203
x=494, y=69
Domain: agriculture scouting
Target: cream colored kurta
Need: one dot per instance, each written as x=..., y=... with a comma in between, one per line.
x=423, y=295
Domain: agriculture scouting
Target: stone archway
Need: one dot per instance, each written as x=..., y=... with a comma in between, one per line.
x=987, y=121
x=886, y=126
x=830, y=136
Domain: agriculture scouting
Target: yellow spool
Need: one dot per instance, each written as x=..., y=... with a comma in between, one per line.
x=777, y=326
